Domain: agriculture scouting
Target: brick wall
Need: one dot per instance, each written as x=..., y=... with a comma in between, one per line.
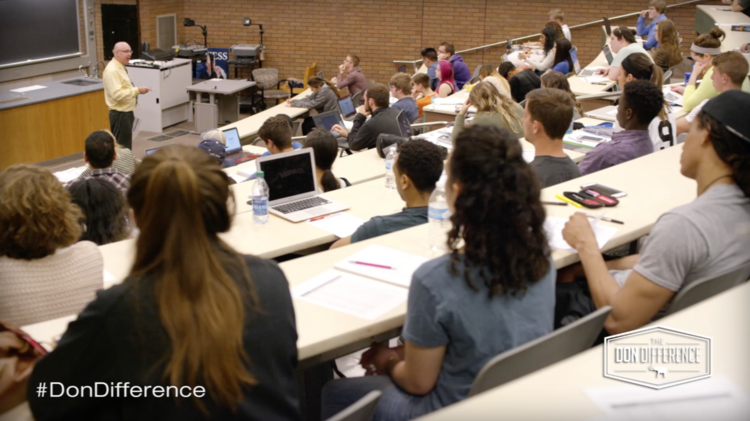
x=299, y=32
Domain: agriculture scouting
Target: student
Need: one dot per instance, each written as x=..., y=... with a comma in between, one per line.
x=446, y=86
x=697, y=241
x=562, y=63
x=430, y=60
x=355, y=81
x=325, y=148
x=667, y=54
x=742, y=6
x=622, y=43
x=276, y=133
x=542, y=63
x=522, y=80
x=492, y=292
x=418, y=167
x=324, y=98
x=364, y=134
x=705, y=47
x=547, y=118
x=105, y=213
x=641, y=101
x=215, y=144
x=400, y=85
x=461, y=72
x=559, y=81
x=487, y=73
x=192, y=312
x=493, y=109
x=557, y=15
x=729, y=73
x=125, y=162
x=46, y=272
x=551, y=25
x=100, y=155
x=422, y=87
x=656, y=12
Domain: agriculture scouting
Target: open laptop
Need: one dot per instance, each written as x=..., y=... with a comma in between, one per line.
x=607, y=54
x=328, y=119
x=608, y=113
x=347, y=108
x=293, y=186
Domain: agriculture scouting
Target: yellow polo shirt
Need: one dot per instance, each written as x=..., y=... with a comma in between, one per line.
x=119, y=92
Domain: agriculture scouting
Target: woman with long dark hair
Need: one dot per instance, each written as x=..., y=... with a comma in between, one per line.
x=543, y=63
x=325, y=148
x=492, y=292
x=563, y=61
x=192, y=316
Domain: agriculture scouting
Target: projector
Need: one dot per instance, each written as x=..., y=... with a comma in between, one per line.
x=246, y=51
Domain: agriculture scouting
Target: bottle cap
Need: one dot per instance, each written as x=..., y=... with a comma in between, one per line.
x=260, y=173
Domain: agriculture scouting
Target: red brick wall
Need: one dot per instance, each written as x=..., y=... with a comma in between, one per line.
x=299, y=32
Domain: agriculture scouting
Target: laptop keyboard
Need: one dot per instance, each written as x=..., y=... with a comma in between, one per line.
x=301, y=205
x=586, y=72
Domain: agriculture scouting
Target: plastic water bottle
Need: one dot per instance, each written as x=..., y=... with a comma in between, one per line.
x=260, y=200
x=390, y=178
x=438, y=216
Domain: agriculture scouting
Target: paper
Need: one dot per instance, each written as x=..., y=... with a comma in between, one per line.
x=28, y=88
x=672, y=97
x=528, y=155
x=247, y=170
x=351, y=294
x=583, y=138
x=339, y=224
x=403, y=264
x=108, y=277
x=451, y=100
x=553, y=226
x=612, y=112
x=70, y=174
x=710, y=399
x=440, y=137
x=597, y=79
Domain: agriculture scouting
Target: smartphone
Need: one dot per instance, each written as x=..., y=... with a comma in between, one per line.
x=609, y=191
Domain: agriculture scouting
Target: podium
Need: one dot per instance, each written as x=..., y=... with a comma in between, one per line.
x=169, y=102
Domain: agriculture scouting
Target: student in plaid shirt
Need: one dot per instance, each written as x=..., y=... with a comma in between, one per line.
x=100, y=154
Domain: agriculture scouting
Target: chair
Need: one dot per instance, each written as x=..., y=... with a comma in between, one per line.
x=701, y=290
x=542, y=352
x=668, y=75
x=267, y=79
x=362, y=410
x=402, y=69
x=357, y=98
x=309, y=72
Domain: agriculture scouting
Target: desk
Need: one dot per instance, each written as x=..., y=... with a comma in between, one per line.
x=248, y=127
x=444, y=112
x=209, y=116
x=562, y=386
x=168, y=103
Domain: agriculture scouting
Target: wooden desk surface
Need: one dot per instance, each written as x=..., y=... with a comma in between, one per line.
x=248, y=127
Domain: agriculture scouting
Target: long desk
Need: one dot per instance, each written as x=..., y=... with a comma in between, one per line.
x=248, y=127
x=562, y=386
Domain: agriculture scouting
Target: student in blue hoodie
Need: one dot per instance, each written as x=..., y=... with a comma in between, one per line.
x=461, y=72
x=655, y=12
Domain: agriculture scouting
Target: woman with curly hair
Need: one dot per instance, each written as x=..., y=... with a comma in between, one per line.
x=44, y=273
x=492, y=292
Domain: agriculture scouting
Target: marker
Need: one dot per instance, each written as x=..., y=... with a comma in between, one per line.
x=371, y=264
x=555, y=203
x=566, y=200
x=604, y=218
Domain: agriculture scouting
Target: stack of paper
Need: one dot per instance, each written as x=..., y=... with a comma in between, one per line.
x=672, y=97
x=373, y=261
x=586, y=139
x=553, y=226
x=451, y=100
x=70, y=174
x=339, y=224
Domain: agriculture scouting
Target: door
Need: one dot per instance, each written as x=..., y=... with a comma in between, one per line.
x=120, y=23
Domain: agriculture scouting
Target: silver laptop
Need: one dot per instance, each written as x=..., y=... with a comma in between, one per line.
x=293, y=186
x=234, y=146
x=347, y=108
x=607, y=54
x=608, y=113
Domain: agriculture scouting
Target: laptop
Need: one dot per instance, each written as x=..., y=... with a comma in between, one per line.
x=152, y=150
x=608, y=113
x=293, y=186
x=348, y=110
x=607, y=54
x=327, y=120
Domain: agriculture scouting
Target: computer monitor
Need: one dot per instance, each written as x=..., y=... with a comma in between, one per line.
x=327, y=120
x=289, y=174
x=347, y=107
x=233, y=141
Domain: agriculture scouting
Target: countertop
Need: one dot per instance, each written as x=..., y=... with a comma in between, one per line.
x=52, y=91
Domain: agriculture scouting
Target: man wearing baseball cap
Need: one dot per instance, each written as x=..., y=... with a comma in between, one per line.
x=705, y=239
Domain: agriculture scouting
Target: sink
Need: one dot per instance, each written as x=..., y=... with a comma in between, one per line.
x=82, y=82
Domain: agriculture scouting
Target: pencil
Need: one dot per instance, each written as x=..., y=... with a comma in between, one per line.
x=565, y=199
x=555, y=203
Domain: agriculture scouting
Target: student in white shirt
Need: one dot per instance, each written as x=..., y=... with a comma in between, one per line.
x=557, y=15
x=622, y=43
x=542, y=63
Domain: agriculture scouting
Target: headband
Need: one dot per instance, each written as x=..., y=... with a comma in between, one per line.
x=703, y=50
x=640, y=74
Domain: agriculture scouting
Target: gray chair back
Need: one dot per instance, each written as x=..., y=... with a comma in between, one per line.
x=266, y=77
x=476, y=72
x=668, y=76
x=565, y=342
x=357, y=99
x=701, y=290
x=362, y=410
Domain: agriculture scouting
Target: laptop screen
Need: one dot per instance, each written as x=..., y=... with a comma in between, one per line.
x=608, y=54
x=289, y=175
x=151, y=151
x=347, y=107
x=233, y=139
x=328, y=120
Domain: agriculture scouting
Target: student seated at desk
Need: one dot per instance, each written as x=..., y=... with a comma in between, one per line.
x=418, y=167
x=355, y=81
x=641, y=101
x=622, y=43
x=430, y=60
x=100, y=154
x=551, y=25
x=493, y=109
x=698, y=241
x=192, y=312
x=325, y=148
x=125, y=162
x=558, y=16
x=522, y=80
x=742, y=6
x=562, y=63
x=105, y=212
x=364, y=134
x=447, y=52
x=559, y=81
x=400, y=85
x=421, y=86
x=444, y=73
x=215, y=144
x=705, y=47
x=667, y=54
x=45, y=272
x=542, y=63
x=656, y=12
x=730, y=72
x=276, y=133
x=547, y=118
x=324, y=98
x=487, y=73
x=493, y=294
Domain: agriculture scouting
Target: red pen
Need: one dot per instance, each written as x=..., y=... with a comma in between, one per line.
x=318, y=218
x=372, y=264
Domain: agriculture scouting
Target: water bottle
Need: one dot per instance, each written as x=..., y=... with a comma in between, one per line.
x=260, y=200
x=390, y=178
x=438, y=216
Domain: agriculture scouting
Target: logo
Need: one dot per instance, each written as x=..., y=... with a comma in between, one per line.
x=657, y=357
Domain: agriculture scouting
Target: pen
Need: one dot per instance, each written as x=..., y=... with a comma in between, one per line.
x=318, y=218
x=566, y=200
x=555, y=203
x=371, y=264
x=598, y=83
x=603, y=218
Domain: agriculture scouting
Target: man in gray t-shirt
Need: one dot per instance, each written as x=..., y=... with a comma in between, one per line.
x=699, y=241
x=553, y=170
